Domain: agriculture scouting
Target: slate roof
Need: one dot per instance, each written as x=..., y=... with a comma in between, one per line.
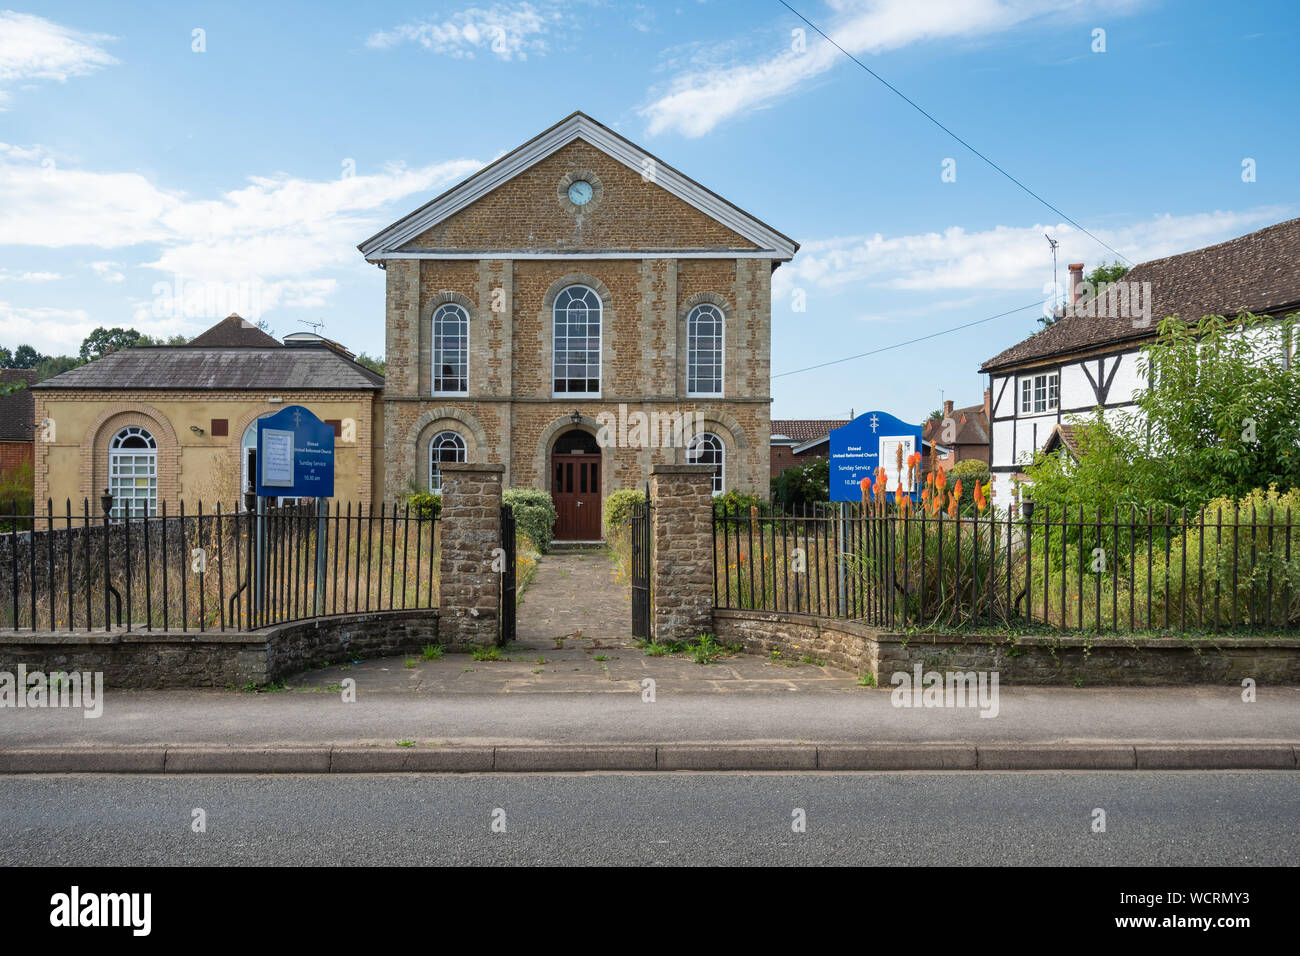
x=224, y=369
x=1259, y=272
x=805, y=429
x=18, y=409
x=234, y=332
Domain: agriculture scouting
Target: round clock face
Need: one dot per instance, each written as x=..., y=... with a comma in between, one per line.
x=580, y=192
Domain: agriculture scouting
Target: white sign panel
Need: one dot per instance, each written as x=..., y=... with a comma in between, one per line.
x=277, y=458
x=889, y=458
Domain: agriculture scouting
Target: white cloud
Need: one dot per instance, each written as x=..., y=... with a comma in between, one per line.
x=698, y=100
x=275, y=228
x=1002, y=258
x=33, y=48
x=7, y=275
x=507, y=31
x=107, y=271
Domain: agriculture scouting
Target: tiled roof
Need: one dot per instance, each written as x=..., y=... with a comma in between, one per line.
x=1259, y=272
x=1067, y=435
x=190, y=368
x=17, y=409
x=972, y=427
x=805, y=429
x=233, y=332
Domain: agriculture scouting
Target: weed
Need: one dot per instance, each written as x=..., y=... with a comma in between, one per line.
x=487, y=654
x=432, y=652
x=867, y=680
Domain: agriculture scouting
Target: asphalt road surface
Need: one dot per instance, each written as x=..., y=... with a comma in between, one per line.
x=1222, y=819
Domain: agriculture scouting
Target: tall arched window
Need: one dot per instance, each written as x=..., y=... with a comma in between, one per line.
x=444, y=447
x=133, y=472
x=704, y=352
x=450, y=350
x=706, y=448
x=576, y=343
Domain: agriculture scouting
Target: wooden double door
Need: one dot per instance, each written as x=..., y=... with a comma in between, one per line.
x=575, y=488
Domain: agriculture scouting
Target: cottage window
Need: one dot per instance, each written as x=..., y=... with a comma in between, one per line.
x=576, y=342
x=450, y=350
x=707, y=448
x=133, y=473
x=1040, y=393
x=704, y=330
x=445, y=447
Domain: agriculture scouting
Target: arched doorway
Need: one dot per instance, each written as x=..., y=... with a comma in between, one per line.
x=575, y=486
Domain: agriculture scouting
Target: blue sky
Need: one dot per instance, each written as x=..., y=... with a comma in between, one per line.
x=251, y=169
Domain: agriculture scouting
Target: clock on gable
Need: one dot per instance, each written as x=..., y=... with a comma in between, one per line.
x=580, y=192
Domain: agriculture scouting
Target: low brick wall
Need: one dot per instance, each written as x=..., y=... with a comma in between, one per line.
x=161, y=659
x=1023, y=660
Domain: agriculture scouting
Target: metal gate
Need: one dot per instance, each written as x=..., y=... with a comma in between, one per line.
x=640, y=531
x=506, y=596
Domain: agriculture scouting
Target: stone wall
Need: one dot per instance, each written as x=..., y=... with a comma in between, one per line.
x=161, y=659
x=1022, y=660
x=471, y=532
x=681, y=571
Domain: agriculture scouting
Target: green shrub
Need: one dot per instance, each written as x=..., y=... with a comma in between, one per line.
x=534, y=514
x=971, y=472
x=618, y=509
x=1246, y=574
x=736, y=502
x=802, y=484
x=425, y=504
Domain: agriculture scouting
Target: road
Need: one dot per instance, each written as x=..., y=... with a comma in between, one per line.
x=1225, y=818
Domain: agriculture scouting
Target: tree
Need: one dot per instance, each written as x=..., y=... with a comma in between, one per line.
x=803, y=483
x=177, y=339
x=56, y=365
x=376, y=365
x=1216, y=421
x=102, y=341
x=27, y=357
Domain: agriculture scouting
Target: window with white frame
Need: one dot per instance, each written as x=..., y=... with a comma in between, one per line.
x=450, y=350
x=444, y=447
x=576, y=342
x=704, y=330
x=133, y=473
x=1040, y=393
x=707, y=448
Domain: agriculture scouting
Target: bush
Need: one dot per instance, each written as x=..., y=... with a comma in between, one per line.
x=971, y=472
x=426, y=504
x=618, y=509
x=1247, y=574
x=736, y=502
x=534, y=514
x=802, y=484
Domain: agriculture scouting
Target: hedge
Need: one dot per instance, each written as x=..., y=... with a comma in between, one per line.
x=534, y=514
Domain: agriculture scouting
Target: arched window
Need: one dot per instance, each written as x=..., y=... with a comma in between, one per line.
x=445, y=446
x=450, y=350
x=576, y=343
x=704, y=351
x=706, y=448
x=133, y=472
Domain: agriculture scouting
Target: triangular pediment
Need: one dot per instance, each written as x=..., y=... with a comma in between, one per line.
x=518, y=206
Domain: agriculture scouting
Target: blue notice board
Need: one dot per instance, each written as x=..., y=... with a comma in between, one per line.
x=866, y=443
x=295, y=455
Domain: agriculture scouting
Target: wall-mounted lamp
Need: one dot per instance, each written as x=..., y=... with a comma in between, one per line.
x=576, y=417
x=196, y=429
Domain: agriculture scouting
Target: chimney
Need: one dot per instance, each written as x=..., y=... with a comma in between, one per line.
x=988, y=402
x=1076, y=281
x=947, y=408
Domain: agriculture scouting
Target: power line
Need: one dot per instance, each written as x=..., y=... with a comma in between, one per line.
x=927, y=115
x=899, y=345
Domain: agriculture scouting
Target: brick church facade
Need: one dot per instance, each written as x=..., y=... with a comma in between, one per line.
x=574, y=282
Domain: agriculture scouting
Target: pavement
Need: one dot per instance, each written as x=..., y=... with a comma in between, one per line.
x=575, y=693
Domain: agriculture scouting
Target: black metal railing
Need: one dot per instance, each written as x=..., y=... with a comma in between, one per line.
x=212, y=567
x=1125, y=572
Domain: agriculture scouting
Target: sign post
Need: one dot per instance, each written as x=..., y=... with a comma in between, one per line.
x=295, y=459
x=873, y=440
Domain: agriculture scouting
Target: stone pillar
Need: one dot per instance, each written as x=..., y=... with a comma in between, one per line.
x=681, y=571
x=471, y=531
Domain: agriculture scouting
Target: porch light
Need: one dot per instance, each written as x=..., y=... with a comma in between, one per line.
x=576, y=417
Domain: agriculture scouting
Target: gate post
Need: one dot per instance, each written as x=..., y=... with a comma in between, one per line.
x=468, y=587
x=681, y=587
